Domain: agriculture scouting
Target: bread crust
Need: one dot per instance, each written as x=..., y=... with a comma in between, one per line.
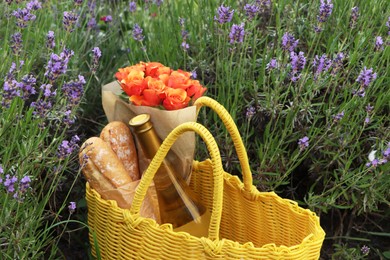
x=104, y=171
x=118, y=136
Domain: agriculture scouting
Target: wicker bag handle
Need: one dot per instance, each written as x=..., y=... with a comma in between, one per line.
x=212, y=147
x=234, y=133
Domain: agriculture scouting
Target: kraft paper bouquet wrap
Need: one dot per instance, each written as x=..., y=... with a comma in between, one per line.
x=166, y=94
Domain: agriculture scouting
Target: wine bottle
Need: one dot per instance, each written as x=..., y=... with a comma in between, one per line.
x=178, y=203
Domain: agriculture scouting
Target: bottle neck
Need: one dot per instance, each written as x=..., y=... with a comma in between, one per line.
x=149, y=141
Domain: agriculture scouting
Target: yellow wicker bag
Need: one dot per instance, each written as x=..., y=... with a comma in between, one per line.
x=245, y=223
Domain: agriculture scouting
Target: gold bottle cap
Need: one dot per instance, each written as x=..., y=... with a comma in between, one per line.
x=141, y=123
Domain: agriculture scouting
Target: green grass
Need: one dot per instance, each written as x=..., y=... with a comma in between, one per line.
x=330, y=177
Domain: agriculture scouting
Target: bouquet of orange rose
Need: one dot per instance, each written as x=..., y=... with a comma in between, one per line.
x=166, y=94
x=153, y=84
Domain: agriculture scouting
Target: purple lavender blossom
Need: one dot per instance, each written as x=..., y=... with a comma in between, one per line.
x=374, y=163
x=182, y=21
x=272, y=64
x=225, y=15
x=298, y=62
x=185, y=46
x=68, y=118
x=337, y=63
x=16, y=43
x=23, y=16
x=288, y=42
x=354, y=17
x=47, y=92
x=386, y=153
x=74, y=90
x=194, y=75
x=250, y=112
x=137, y=33
x=92, y=23
x=10, y=87
x=379, y=43
x=263, y=4
x=325, y=10
x=237, y=33
x=251, y=11
x=58, y=64
x=365, y=250
x=34, y=5
x=132, y=6
x=41, y=108
x=9, y=183
x=27, y=86
x=78, y=2
x=321, y=64
x=388, y=25
x=159, y=2
x=366, y=76
x=338, y=117
x=303, y=143
x=67, y=147
x=369, y=108
x=24, y=184
x=50, y=40
x=367, y=120
x=1, y=173
x=91, y=6
x=184, y=34
x=72, y=207
x=96, y=56
x=69, y=19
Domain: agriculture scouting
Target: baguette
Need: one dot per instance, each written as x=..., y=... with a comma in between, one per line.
x=107, y=175
x=104, y=171
x=118, y=135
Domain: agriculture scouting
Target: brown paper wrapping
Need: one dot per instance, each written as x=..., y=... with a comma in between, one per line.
x=163, y=121
x=124, y=196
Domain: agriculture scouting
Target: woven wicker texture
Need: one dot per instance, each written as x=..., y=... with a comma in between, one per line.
x=245, y=223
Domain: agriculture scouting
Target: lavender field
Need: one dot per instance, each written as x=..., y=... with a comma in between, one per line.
x=307, y=83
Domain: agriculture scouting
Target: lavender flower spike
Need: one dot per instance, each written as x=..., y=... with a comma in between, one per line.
x=379, y=43
x=34, y=5
x=388, y=25
x=72, y=207
x=132, y=6
x=354, y=17
x=16, y=43
x=237, y=33
x=288, y=42
x=50, y=43
x=225, y=15
x=366, y=76
x=69, y=19
x=137, y=33
x=325, y=10
x=303, y=143
x=96, y=56
x=321, y=64
x=23, y=16
x=251, y=11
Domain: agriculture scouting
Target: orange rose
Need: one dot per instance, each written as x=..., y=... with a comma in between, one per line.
x=149, y=98
x=175, y=99
x=179, y=79
x=195, y=90
x=133, y=83
x=164, y=78
x=155, y=84
x=151, y=69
